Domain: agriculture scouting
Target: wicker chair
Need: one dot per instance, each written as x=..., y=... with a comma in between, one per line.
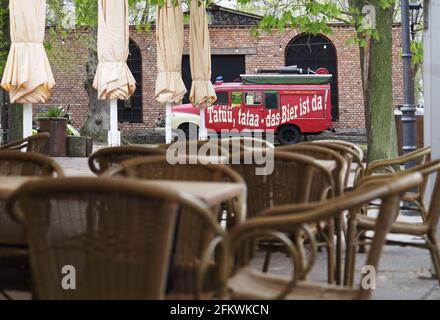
x=118, y=235
x=350, y=145
x=322, y=153
x=360, y=223
x=339, y=176
x=296, y=179
x=13, y=257
x=103, y=159
x=36, y=143
x=352, y=154
x=418, y=157
x=251, y=284
x=191, y=233
x=191, y=147
x=237, y=144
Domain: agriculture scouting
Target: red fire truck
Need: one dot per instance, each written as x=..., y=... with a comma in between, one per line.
x=284, y=101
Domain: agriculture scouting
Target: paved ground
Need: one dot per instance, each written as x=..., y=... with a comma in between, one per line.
x=404, y=272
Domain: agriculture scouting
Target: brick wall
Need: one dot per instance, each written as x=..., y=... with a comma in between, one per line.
x=270, y=53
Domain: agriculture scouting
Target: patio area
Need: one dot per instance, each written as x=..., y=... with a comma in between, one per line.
x=404, y=272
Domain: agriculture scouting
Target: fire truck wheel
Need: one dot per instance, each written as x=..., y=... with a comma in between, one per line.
x=288, y=135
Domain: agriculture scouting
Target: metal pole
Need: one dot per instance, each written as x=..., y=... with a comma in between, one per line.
x=408, y=107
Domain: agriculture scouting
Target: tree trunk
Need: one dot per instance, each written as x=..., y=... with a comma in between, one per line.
x=382, y=134
x=98, y=121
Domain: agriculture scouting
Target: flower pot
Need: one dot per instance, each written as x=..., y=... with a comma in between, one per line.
x=57, y=128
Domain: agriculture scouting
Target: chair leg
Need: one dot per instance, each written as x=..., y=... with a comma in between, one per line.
x=350, y=258
x=434, y=249
x=267, y=260
x=330, y=252
x=338, y=222
x=362, y=237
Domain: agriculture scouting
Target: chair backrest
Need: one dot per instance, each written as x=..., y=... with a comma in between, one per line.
x=236, y=144
x=388, y=192
x=16, y=163
x=350, y=154
x=158, y=168
x=195, y=148
x=295, y=179
x=105, y=158
x=36, y=143
x=191, y=237
x=114, y=237
x=417, y=157
x=321, y=153
x=350, y=145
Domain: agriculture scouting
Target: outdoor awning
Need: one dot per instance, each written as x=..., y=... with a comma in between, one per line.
x=169, y=36
x=113, y=78
x=202, y=90
x=27, y=75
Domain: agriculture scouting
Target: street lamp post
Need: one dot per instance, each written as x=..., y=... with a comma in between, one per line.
x=408, y=108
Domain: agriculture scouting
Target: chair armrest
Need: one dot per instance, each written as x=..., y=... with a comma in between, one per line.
x=14, y=145
x=387, y=163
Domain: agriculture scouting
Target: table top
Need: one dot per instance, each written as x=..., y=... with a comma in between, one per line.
x=10, y=184
x=212, y=193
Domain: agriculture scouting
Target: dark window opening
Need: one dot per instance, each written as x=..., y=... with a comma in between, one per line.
x=222, y=99
x=309, y=51
x=230, y=67
x=131, y=110
x=271, y=100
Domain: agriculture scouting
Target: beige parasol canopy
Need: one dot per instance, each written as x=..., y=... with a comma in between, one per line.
x=169, y=36
x=113, y=78
x=27, y=75
x=202, y=91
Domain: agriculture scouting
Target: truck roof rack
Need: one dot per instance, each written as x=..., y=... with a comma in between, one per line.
x=281, y=70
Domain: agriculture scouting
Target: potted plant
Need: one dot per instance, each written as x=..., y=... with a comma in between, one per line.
x=53, y=122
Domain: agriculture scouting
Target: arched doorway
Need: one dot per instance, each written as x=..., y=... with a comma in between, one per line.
x=316, y=51
x=131, y=110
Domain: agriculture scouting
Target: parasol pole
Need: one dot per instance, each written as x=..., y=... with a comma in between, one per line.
x=27, y=120
x=203, y=132
x=168, y=119
x=114, y=136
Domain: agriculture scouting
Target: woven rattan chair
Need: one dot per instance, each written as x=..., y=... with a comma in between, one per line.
x=322, y=153
x=237, y=144
x=339, y=176
x=196, y=148
x=427, y=229
x=296, y=179
x=418, y=157
x=36, y=143
x=191, y=232
x=250, y=284
x=105, y=158
x=13, y=257
x=118, y=235
x=350, y=145
x=352, y=154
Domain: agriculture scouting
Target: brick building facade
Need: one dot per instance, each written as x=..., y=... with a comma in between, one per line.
x=232, y=45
